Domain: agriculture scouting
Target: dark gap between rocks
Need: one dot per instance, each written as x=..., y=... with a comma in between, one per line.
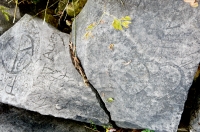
x=191, y=104
x=30, y=121
x=102, y=105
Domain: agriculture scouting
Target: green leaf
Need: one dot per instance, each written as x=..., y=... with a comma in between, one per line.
x=126, y=18
x=91, y=26
x=110, y=100
x=3, y=11
x=117, y=24
x=6, y=17
x=126, y=23
x=147, y=130
x=3, y=8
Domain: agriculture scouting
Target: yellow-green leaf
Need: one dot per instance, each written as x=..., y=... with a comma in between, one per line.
x=87, y=35
x=6, y=17
x=117, y=24
x=110, y=100
x=126, y=18
x=3, y=8
x=91, y=26
x=126, y=23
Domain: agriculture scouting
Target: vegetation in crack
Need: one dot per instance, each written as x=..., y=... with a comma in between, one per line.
x=77, y=64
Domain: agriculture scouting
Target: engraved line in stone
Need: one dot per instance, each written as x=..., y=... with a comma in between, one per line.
x=15, y=59
x=8, y=43
x=17, y=52
x=11, y=86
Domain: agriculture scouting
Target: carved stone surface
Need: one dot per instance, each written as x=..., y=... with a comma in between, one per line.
x=36, y=73
x=148, y=67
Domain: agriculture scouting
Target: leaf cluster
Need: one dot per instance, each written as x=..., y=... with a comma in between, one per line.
x=3, y=10
x=147, y=130
x=118, y=24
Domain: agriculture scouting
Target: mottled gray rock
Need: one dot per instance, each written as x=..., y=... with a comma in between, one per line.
x=19, y=120
x=6, y=24
x=36, y=73
x=150, y=66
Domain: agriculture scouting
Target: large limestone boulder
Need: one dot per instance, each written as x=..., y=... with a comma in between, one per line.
x=36, y=73
x=142, y=72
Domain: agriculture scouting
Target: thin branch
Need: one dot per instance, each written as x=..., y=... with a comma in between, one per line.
x=63, y=12
x=45, y=11
x=74, y=50
x=16, y=3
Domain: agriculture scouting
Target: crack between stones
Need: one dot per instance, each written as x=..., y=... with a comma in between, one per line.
x=102, y=105
x=77, y=64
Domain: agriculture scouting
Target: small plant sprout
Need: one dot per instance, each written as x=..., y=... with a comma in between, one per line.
x=118, y=24
x=92, y=125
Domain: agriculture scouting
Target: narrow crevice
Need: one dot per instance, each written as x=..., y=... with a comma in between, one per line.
x=102, y=105
x=77, y=64
x=192, y=104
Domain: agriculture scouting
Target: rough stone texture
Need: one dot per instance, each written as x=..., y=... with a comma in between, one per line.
x=151, y=66
x=4, y=24
x=195, y=123
x=36, y=73
x=18, y=120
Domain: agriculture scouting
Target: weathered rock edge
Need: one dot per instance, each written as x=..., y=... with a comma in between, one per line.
x=13, y=119
x=36, y=73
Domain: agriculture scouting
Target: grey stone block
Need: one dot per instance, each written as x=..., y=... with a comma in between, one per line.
x=150, y=66
x=36, y=73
